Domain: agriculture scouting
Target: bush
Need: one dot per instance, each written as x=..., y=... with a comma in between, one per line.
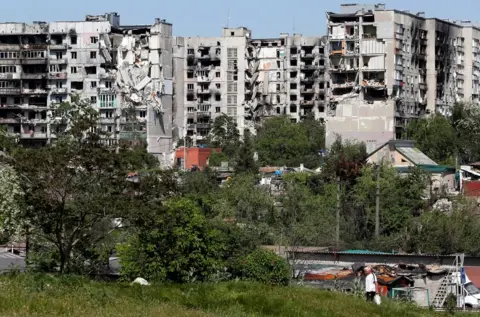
x=181, y=247
x=266, y=267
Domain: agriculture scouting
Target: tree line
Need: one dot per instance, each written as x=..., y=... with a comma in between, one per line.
x=74, y=204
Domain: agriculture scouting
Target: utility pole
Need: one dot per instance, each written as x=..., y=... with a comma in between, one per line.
x=377, y=205
x=337, y=228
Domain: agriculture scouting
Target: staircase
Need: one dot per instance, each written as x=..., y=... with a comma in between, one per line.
x=441, y=295
x=450, y=283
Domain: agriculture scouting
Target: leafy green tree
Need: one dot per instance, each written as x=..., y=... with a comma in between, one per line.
x=435, y=136
x=316, y=138
x=279, y=142
x=428, y=233
x=76, y=188
x=302, y=213
x=465, y=119
x=181, y=246
x=245, y=162
x=216, y=159
x=243, y=199
x=225, y=135
x=11, y=208
x=401, y=199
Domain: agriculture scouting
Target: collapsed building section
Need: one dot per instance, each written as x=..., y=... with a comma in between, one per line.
x=144, y=84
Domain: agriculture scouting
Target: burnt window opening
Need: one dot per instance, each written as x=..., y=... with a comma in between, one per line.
x=77, y=85
x=90, y=70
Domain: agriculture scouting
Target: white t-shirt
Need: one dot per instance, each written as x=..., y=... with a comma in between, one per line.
x=370, y=283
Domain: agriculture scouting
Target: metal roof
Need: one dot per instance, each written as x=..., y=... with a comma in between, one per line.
x=362, y=252
x=415, y=155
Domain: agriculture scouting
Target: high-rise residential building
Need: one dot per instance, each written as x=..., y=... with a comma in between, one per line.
x=388, y=67
x=247, y=79
x=123, y=71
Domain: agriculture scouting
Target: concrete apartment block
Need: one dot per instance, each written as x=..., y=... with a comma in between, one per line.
x=388, y=67
x=247, y=79
x=126, y=72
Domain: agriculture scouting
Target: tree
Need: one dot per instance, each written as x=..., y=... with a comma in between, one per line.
x=245, y=162
x=316, y=138
x=243, y=199
x=279, y=142
x=427, y=234
x=401, y=199
x=435, y=136
x=77, y=187
x=225, y=135
x=181, y=246
x=11, y=209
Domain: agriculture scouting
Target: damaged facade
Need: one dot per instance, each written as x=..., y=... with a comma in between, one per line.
x=124, y=71
x=388, y=67
x=247, y=79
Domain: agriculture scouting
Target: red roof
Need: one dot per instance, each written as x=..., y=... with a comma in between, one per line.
x=473, y=273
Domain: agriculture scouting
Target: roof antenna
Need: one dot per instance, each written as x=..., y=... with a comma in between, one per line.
x=293, y=24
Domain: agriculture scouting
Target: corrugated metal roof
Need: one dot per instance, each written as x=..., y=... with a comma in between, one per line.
x=415, y=155
x=362, y=252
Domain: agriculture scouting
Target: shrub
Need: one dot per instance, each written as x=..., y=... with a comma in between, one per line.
x=181, y=247
x=266, y=267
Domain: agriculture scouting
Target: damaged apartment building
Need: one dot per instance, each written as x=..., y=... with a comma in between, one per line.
x=123, y=71
x=247, y=79
x=388, y=67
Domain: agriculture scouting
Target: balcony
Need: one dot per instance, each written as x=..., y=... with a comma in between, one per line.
x=203, y=125
x=108, y=104
x=307, y=55
x=33, y=76
x=108, y=75
x=107, y=120
x=34, y=61
x=59, y=91
x=422, y=86
x=58, y=61
x=203, y=79
x=10, y=91
x=308, y=103
x=33, y=135
x=9, y=120
x=35, y=91
x=190, y=92
x=61, y=75
x=203, y=114
x=460, y=48
x=309, y=79
x=304, y=90
x=303, y=66
x=62, y=46
x=204, y=91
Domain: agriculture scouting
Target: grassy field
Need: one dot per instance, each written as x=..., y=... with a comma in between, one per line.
x=41, y=295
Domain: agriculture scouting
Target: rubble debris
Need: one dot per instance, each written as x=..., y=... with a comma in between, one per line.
x=133, y=80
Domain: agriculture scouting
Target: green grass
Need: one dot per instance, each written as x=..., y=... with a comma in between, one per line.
x=42, y=295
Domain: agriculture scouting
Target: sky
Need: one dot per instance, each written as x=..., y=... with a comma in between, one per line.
x=266, y=18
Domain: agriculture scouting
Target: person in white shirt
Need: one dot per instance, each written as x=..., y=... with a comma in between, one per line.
x=370, y=284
